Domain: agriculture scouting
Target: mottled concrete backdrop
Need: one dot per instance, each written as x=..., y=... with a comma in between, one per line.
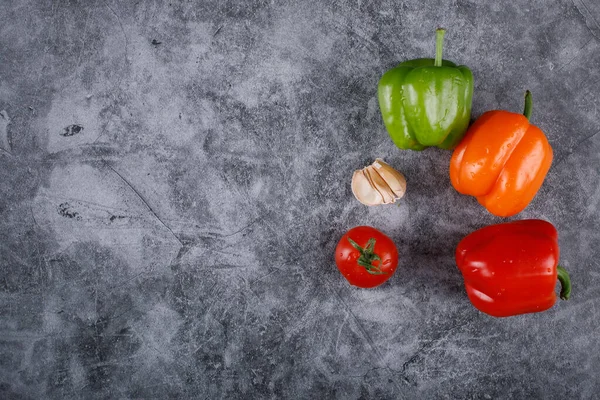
x=174, y=177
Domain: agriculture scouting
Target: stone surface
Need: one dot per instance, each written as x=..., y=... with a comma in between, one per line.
x=174, y=178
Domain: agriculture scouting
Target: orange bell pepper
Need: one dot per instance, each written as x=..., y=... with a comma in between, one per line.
x=502, y=161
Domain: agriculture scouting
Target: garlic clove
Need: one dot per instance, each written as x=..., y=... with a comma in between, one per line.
x=378, y=183
x=395, y=180
x=363, y=191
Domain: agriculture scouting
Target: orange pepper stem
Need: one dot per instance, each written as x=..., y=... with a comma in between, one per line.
x=439, y=45
x=528, y=105
x=565, y=283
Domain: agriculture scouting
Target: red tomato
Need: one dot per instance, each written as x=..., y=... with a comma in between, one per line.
x=366, y=257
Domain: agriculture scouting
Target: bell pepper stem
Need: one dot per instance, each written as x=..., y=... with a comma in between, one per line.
x=528, y=105
x=565, y=283
x=439, y=45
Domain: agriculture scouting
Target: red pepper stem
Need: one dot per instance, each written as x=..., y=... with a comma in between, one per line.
x=439, y=45
x=565, y=283
x=528, y=105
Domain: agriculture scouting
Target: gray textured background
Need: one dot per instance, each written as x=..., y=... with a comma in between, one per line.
x=181, y=244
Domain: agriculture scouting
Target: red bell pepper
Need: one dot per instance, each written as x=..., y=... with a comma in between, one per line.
x=511, y=268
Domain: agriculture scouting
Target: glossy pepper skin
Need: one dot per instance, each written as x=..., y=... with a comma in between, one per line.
x=511, y=268
x=426, y=102
x=502, y=161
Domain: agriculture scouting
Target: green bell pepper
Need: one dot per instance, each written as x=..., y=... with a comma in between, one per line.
x=426, y=102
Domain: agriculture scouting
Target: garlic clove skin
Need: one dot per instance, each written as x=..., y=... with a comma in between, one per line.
x=378, y=183
x=363, y=191
x=395, y=180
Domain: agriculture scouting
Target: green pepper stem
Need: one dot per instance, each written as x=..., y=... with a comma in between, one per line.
x=565, y=283
x=439, y=45
x=528, y=105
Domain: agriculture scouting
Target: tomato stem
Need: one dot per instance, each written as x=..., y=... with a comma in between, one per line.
x=368, y=256
x=565, y=283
